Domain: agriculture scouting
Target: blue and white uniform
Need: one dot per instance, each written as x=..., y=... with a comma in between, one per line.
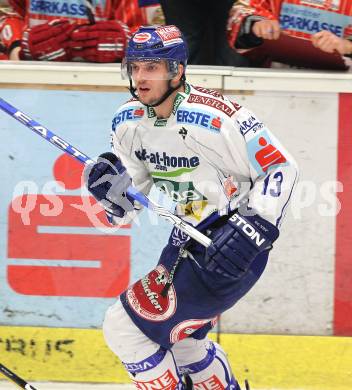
x=207, y=155
x=210, y=155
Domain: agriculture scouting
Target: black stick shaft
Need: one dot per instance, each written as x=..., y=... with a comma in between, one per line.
x=15, y=378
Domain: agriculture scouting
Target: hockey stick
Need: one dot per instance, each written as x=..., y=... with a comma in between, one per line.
x=133, y=192
x=15, y=378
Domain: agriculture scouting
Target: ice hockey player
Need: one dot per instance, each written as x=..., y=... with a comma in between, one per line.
x=207, y=152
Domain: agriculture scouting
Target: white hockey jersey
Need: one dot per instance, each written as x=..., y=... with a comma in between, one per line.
x=210, y=154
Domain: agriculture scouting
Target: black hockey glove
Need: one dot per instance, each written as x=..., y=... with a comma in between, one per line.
x=238, y=242
x=107, y=180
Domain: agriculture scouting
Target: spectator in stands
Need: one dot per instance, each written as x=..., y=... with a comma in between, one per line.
x=306, y=33
x=203, y=24
x=71, y=30
x=10, y=25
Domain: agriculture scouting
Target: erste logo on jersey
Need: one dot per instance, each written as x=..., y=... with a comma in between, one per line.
x=199, y=118
x=263, y=154
x=129, y=114
x=145, y=298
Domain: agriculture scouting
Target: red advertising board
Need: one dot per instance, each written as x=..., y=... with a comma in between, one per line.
x=343, y=265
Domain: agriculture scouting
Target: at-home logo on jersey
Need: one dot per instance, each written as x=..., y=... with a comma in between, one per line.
x=263, y=154
x=199, y=118
x=130, y=114
x=163, y=162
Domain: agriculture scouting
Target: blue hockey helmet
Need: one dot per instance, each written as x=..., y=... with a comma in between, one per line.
x=156, y=43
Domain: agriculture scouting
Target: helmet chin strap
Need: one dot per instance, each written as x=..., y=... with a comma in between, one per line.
x=169, y=91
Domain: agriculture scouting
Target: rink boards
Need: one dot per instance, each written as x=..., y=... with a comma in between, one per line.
x=283, y=362
x=59, y=273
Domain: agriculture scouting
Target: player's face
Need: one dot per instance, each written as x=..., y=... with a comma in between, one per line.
x=150, y=80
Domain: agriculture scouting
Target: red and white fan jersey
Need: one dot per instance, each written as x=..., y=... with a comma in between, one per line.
x=298, y=18
x=11, y=27
x=24, y=13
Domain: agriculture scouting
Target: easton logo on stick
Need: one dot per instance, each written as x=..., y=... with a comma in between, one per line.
x=48, y=135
